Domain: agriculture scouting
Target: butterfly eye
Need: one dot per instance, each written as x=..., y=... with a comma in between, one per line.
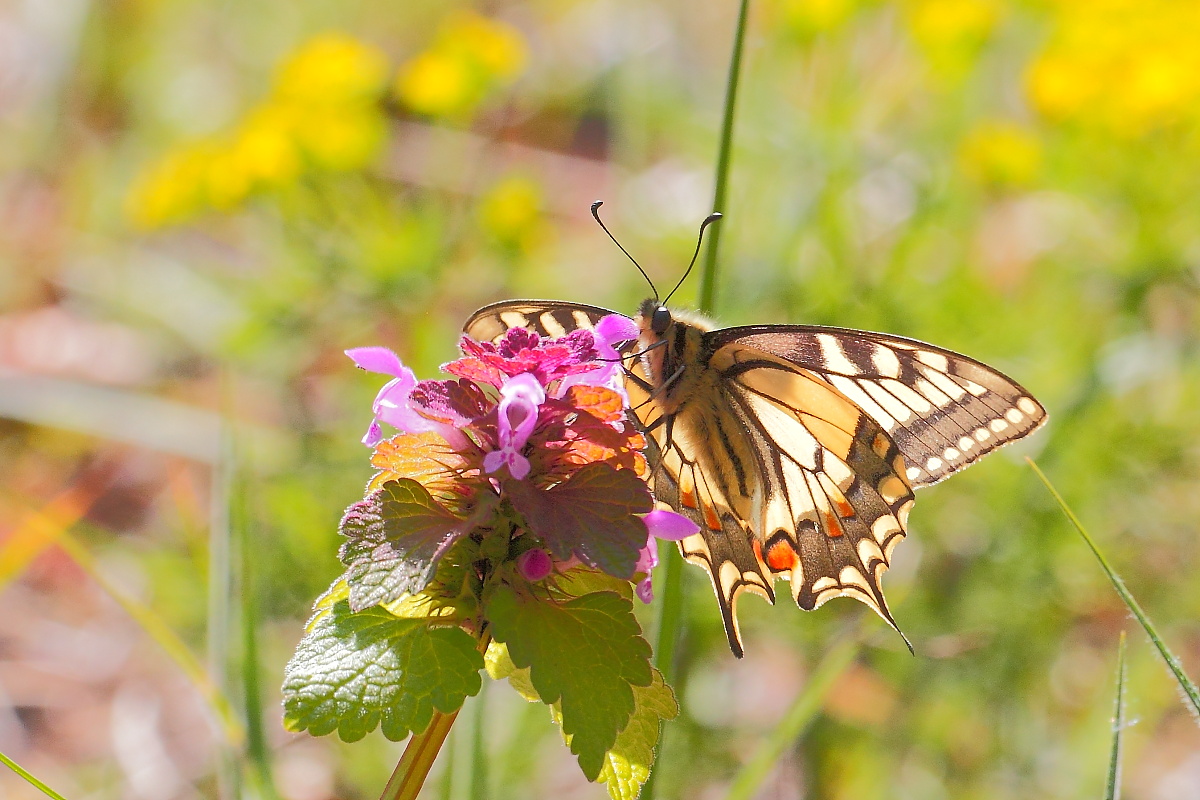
x=661, y=320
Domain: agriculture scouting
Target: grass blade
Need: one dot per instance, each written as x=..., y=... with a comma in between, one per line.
x=1118, y=726
x=1186, y=685
x=803, y=709
x=43, y=788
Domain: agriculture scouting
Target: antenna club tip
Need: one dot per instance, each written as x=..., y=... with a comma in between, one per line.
x=596, y=205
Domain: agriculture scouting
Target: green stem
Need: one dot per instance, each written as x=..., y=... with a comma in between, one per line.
x=17, y=768
x=1118, y=726
x=708, y=274
x=422, y=750
x=669, y=620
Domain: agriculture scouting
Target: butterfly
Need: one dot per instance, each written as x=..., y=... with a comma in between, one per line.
x=795, y=448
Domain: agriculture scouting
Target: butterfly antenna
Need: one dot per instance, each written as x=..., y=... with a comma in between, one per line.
x=709, y=220
x=596, y=214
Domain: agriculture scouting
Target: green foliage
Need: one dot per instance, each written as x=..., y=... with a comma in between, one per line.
x=586, y=654
x=589, y=516
x=354, y=672
x=394, y=540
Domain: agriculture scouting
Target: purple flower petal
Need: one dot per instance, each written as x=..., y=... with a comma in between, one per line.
x=376, y=359
x=669, y=526
x=644, y=591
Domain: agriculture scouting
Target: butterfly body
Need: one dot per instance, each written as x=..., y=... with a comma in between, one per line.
x=794, y=448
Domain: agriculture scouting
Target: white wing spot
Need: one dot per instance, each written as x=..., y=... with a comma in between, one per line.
x=1014, y=416
x=884, y=527
x=868, y=551
x=944, y=383
x=823, y=583
x=951, y=454
x=514, y=319
x=935, y=360
x=983, y=434
x=850, y=576
x=916, y=402
x=974, y=388
x=834, y=357
x=965, y=443
x=1027, y=405
x=582, y=320
x=933, y=464
x=552, y=326
x=914, y=473
x=863, y=400
x=886, y=362
x=999, y=425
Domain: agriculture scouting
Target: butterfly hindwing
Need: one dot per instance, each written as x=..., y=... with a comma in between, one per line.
x=944, y=410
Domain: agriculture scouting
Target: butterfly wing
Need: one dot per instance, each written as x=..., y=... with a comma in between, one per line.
x=943, y=410
x=544, y=317
x=785, y=476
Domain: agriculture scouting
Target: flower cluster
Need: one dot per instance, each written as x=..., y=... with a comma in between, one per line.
x=470, y=57
x=1119, y=66
x=530, y=440
x=323, y=113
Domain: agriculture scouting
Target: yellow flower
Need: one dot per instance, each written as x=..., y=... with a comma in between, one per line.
x=498, y=49
x=1001, y=153
x=511, y=211
x=333, y=68
x=1120, y=66
x=169, y=190
x=341, y=139
x=470, y=56
x=438, y=84
x=809, y=17
x=951, y=32
x=265, y=145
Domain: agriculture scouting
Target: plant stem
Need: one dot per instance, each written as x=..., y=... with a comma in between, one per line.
x=422, y=750
x=414, y=765
x=708, y=274
x=669, y=620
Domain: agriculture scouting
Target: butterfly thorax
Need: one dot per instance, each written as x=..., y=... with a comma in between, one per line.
x=673, y=353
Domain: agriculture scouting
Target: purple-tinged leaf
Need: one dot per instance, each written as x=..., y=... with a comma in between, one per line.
x=591, y=515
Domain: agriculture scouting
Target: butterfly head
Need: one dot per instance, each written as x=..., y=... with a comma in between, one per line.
x=655, y=316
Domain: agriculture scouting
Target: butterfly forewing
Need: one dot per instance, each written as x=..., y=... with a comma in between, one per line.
x=794, y=448
x=944, y=410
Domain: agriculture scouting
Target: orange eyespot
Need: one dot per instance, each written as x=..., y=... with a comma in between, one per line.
x=781, y=557
x=711, y=519
x=832, y=526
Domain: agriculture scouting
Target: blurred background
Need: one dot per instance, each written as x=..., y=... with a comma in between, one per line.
x=202, y=204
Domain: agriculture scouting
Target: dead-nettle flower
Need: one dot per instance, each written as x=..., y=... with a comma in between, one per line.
x=531, y=431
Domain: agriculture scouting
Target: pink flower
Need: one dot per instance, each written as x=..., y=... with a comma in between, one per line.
x=392, y=403
x=665, y=525
x=518, y=414
x=611, y=330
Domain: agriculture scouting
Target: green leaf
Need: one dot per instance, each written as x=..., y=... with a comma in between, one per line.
x=353, y=672
x=1188, y=687
x=591, y=515
x=394, y=539
x=578, y=581
x=586, y=653
x=627, y=764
